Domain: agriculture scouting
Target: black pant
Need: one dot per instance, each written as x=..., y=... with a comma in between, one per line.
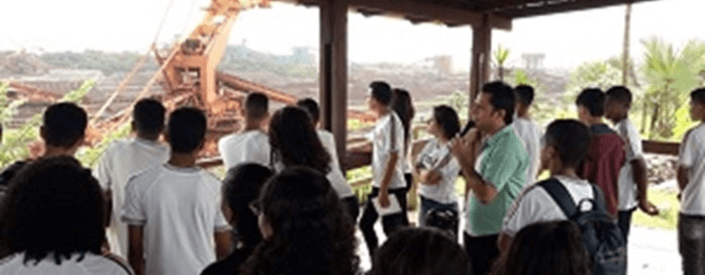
x=691, y=243
x=390, y=223
x=408, y=178
x=352, y=205
x=482, y=252
x=624, y=221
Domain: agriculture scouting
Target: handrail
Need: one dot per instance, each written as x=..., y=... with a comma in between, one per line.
x=359, y=156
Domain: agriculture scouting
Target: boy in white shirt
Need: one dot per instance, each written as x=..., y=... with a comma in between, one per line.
x=173, y=210
x=125, y=157
x=436, y=167
x=527, y=130
x=387, y=167
x=336, y=176
x=691, y=180
x=565, y=145
x=632, y=177
x=251, y=144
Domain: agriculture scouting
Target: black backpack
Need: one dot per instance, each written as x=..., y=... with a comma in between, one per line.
x=602, y=238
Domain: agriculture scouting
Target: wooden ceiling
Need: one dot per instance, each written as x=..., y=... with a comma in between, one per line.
x=527, y=8
x=497, y=13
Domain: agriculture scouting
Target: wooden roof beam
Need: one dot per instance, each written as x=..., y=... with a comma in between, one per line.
x=421, y=11
x=553, y=7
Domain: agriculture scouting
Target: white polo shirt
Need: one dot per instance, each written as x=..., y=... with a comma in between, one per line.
x=179, y=209
x=692, y=155
x=119, y=162
x=530, y=135
x=246, y=147
x=444, y=191
x=335, y=176
x=534, y=205
x=627, y=186
x=91, y=264
x=382, y=146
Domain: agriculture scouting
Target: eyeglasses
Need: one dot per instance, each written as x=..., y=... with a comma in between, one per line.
x=256, y=207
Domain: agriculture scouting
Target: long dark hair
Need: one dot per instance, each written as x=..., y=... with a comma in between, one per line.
x=295, y=142
x=402, y=105
x=60, y=193
x=420, y=251
x=550, y=248
x=447, y=118
x=242, y=186
x=311, y=234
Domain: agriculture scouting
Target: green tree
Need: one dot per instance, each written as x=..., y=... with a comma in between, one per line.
x=670, y=74
x=500, y=58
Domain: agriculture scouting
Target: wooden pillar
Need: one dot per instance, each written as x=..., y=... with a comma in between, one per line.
x=334, y=71
x=480, y=64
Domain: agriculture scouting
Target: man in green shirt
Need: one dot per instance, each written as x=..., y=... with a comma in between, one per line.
x=494, y=163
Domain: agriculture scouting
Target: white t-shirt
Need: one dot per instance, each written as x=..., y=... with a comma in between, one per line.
x=179, y=209
x=121, y=160
x=251, y=146
x=692, y=155
x=530, y=135
x=382, y=147
x=534, y=205
x=444, y=192
x=627, y=186
x=336, y=177
x=91, y=264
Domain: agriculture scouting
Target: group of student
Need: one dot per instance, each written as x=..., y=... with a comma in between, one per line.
x=285, y=206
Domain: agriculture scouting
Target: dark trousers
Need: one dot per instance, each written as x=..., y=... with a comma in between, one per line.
x=691, y=243
x=390, y=223
x=352, y=205
x=409, y=178
x=624, y=221
x=482, y=252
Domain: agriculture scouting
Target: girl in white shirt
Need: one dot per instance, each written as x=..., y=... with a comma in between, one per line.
x=436, y=168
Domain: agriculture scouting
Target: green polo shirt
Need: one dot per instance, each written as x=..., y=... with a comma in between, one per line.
x=503, y=163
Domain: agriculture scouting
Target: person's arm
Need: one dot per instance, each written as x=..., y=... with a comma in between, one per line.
x=639, y=172
x=222, y=244
x=682, y=175
x=504, y=242
x=465, y=151
x=135, y=254
x=389, y=168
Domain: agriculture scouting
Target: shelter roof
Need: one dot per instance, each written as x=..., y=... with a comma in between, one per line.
x=497, y=13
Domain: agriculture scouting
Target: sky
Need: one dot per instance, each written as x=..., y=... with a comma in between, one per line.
x=132, y=25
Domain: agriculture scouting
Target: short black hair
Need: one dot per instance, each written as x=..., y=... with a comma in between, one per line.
x=311, y=107
x=382, y=92
x=54, y=191
x=592, y=99
x=447, y=118
x=64, y=124
x=621, y=94
x=242, y=186
x=256, y=105
x=148, y=116
x=502, y=98
x=524, y=94
x=570, y=138
x=187, y=129
x=698, y=95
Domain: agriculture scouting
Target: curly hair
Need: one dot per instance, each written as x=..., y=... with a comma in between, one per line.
x=417, y=251
x=548, y=248
x=311, y=234
x=294, y=140
x=54, y=207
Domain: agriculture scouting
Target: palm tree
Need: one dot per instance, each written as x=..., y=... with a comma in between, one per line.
x=670, y=74
x=500, y=57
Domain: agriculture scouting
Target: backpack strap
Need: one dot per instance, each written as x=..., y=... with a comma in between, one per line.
x=599, y=199
x=394, y=130
x=561, y=196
